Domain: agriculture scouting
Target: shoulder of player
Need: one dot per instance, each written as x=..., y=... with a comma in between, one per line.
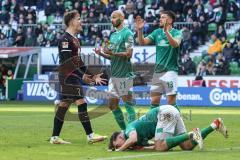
x=65, y=37
x=112, y=33
x=158, y=31
x=65, y=41
x=174, y=30
x=126, y=29
x=128, y=32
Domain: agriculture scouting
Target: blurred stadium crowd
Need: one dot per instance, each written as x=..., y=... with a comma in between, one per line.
x=39, y=23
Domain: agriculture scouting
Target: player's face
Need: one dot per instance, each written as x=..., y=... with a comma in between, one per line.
x=115, y=19
x=164, y=18
x=120, y=140
x=76, y=22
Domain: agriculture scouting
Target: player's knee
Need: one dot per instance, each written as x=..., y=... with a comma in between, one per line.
x=186, y=146
x=155, y=99
x=171, y=100
x=127, y=98
x=160, y=146
x=64, y=104
x=80, y=101
x=113, y=104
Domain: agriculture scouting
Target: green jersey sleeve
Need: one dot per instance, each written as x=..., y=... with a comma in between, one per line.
x=178, y=35
x=152, y=36
x=129, y=40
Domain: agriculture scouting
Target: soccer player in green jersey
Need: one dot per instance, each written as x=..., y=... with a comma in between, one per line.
x=119, y=53
x=165, y=125
x=167, y=40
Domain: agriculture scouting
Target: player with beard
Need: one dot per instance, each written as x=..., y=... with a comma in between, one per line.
x=167, y=40
x=119, y=53
x=71, y=72
x=164, y=124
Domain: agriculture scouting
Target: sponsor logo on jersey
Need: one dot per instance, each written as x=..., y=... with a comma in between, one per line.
x=64, y=44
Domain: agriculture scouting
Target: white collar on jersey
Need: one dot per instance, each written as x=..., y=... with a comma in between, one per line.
x=120, y=29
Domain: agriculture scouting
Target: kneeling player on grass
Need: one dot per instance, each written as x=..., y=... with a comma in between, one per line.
x=166, y=126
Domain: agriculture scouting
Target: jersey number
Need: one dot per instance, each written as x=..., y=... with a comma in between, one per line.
x=79, y=91
x=122, y=85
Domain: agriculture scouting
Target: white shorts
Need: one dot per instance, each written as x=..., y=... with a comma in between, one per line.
x=170, y=123
x=165, y=83
x=120, y=86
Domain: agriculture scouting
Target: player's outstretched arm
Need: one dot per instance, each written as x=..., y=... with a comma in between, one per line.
x=139, y=24
x=98, y=51
x=152, y=147
x=99, y=80
x=129, y=142
x=127, y=54
x=87, y=78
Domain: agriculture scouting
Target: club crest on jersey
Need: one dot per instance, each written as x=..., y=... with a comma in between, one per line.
x=64, y=44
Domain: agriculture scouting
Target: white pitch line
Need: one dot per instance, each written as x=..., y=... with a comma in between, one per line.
x=165, y=153
x=141, y=155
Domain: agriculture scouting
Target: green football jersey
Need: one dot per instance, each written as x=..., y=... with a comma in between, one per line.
x=145, y=127
x=166, y=56
x=121, y=67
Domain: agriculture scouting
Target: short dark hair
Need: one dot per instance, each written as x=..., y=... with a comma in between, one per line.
x=112, y=139
x=171, y=14
x=69, y=16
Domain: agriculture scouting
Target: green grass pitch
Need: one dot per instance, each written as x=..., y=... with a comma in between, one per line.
x=26, y=127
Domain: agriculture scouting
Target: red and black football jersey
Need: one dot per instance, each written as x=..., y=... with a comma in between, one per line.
x=69, y=54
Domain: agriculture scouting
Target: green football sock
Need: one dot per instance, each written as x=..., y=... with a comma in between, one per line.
x=154, y=106
x=174, y=141
x=131, y=112
x=204, y=133
x=118, y=115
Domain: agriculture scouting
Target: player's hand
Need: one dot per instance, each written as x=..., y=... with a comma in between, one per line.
x=107, y=51
x=166, y=26
x=98, y=80
x=87, y=79
x=139, y=23
x=97, y=51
